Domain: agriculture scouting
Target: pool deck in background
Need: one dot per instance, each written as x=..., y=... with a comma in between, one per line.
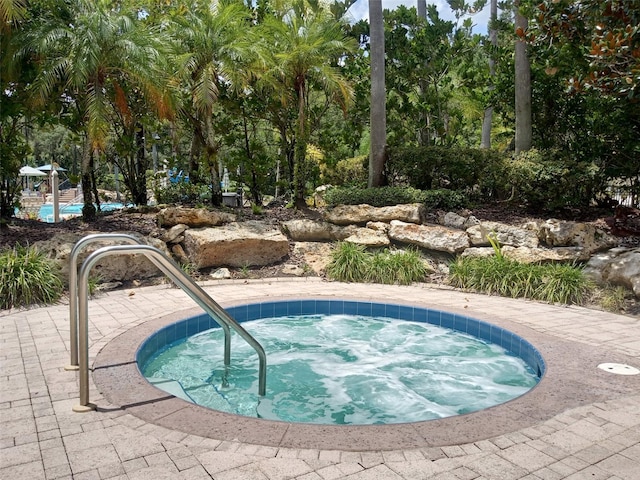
x=593, y=434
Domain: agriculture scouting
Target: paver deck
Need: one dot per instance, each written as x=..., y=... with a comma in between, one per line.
x=595, y=435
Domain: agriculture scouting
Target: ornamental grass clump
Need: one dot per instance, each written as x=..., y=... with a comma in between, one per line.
x=554, y=283
x=352, y=263
x=28, y=277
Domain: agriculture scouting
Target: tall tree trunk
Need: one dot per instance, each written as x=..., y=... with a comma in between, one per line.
x=300, y=167
x=139, y=181
x=377, y=156
x=422, y=9
x=89, y=209
x=522, y=85
x=488, y=112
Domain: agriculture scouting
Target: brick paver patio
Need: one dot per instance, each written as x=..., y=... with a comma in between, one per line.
x=42, y=438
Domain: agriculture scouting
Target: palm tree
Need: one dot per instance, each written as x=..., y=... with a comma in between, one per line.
x=217, y=48
x=88, y=49
x=377, y=156
x=305, y=44
x=524, y=127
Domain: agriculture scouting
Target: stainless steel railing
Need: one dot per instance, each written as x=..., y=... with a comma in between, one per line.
x=173, y=271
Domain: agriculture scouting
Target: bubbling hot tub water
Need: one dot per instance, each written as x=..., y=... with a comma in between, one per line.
x=344, y=368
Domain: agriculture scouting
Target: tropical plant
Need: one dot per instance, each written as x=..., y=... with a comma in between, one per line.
x=217, y=47
x=87, y=51
x=28, y=277
x=305, y=44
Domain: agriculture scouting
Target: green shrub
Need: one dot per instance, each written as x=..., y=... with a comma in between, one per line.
x=183, y=193
x=554, y=283
x=352, y=263
x=445, y=200
x=348, y=172
x=377, y=197
x=467, y=170
x=28, y=277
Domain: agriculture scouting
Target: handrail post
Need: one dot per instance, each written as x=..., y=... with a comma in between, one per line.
x=73, y=286
x=172, y=270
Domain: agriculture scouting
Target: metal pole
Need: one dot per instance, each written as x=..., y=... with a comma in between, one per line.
x=73, y=285
x=56, y=194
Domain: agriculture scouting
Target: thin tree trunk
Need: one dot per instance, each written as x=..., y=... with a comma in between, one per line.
x=377, y=157
x=88, y=210
x=523, y=138
x=422, y=9
x=488, y=112
x=300, y=167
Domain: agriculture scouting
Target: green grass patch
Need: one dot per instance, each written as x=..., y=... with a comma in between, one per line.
x=28, y=277
x=353, y=263
x=553, y=283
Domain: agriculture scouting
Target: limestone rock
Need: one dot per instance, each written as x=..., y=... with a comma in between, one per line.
x=290, y=269
x=431, y=237
x=505, y=234
x=536, y=255
x=193, y=217
x=244, y=244
x=316, y=255
x=453, y=220
x=174, y=234
x=305, y=230
x=618, y=266
x=557, y=233
x=379, y=226
x=221, y=274
x=478, y=252
x=111, y=268
x=369, y=238
x=179, y=253
x=361, y=214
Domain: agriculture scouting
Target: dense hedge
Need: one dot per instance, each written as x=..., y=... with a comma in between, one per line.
x=537, y=179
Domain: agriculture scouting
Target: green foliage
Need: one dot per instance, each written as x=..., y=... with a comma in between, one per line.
x=349, y=263
x=352, y=263
x=445, y=200
x=348, y=172
x=611, y=298
x=28, y=277
x=546, y=180
x=554, y=283
x=377, y=197
x=185, y=193
x=475, y=171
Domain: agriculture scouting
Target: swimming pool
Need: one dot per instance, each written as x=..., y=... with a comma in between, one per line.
x=45, y=214
x=490, y=365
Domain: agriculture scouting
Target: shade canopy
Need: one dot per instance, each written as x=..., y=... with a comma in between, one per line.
x=27, y=171
x=47, y=168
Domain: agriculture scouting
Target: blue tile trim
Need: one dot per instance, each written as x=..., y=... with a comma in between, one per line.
x=511, y=342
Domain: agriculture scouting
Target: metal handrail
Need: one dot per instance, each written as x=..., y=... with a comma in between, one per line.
x=73, y=285
x=173, y=271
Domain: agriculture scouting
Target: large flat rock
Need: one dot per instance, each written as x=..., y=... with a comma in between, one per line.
x=236, y=245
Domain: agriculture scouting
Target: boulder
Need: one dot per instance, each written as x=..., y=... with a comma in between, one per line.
x=193, y=217
x=618, y=266
x=505, y=234
x=293, y=270
x=430, y=237
x=112, y=268
x=546, y=255
x=250, y=243
x=315, y=255
x=361, y=214
x=478, y=252
x=305, y=230
x=559, y=233
x=369, y=238
x=379, y=226
x=174, y=234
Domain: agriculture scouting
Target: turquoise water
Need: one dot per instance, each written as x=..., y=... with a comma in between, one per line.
x=343, y=369
x=46, y=210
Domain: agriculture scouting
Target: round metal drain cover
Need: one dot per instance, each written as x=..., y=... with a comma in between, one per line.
x=619, y=368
